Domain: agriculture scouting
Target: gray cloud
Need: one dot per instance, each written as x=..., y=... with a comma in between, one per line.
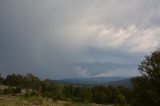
x=61, y=39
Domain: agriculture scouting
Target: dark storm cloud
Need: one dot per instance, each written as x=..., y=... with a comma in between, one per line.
x=61, y=39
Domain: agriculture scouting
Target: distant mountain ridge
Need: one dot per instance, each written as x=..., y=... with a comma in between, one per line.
x=124, y=83
x=114, y=81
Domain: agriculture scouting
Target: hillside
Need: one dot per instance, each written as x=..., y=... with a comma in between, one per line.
x=124, y=83
x=115, y=81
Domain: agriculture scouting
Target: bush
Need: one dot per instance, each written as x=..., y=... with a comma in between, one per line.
x=120, y=100
x=12, y=90
x=34, y=93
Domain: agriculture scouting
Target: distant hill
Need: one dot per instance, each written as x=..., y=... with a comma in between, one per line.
x=114, y=81
x=124, y=82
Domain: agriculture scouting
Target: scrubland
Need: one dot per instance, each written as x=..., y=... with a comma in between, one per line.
x=8, y=100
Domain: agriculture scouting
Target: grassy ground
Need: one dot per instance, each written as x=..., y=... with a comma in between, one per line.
x=36, y=101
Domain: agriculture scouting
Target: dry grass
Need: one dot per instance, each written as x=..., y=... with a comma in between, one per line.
x=37, y=101
x=20, y=101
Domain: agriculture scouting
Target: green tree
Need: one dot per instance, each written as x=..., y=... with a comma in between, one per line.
x=29, y=81
x=147, y=86
x=86, y=95
x=32, y=82
x=120, y=100
x=52, y=90
x=127, y=92
x=14, y=80
x=99, y=95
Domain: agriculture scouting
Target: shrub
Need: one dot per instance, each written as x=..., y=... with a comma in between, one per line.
x=120, y=100
x=12, y=90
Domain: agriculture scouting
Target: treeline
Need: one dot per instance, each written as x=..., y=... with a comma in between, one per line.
x=145, y=91
x=34, y=86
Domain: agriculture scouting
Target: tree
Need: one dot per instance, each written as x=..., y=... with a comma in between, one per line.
x=52, y=90
x=86, y=95
x=14, y=80
x=147, y=86
x=32, y=82
x=1, y=79
x=150, y=66
x=127, y=92
x=28, y=81
x=99, y=94
x=120, y=100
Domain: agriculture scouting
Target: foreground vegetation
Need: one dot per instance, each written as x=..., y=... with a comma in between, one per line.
x=34, y=91
x=54, y=92
x=8, y=100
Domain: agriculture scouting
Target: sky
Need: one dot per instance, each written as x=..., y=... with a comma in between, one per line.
x=77, y=38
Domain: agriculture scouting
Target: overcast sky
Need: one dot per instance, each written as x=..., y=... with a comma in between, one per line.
x=77, y=38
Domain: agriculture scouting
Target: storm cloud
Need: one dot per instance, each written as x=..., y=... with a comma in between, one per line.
x=77, y=38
